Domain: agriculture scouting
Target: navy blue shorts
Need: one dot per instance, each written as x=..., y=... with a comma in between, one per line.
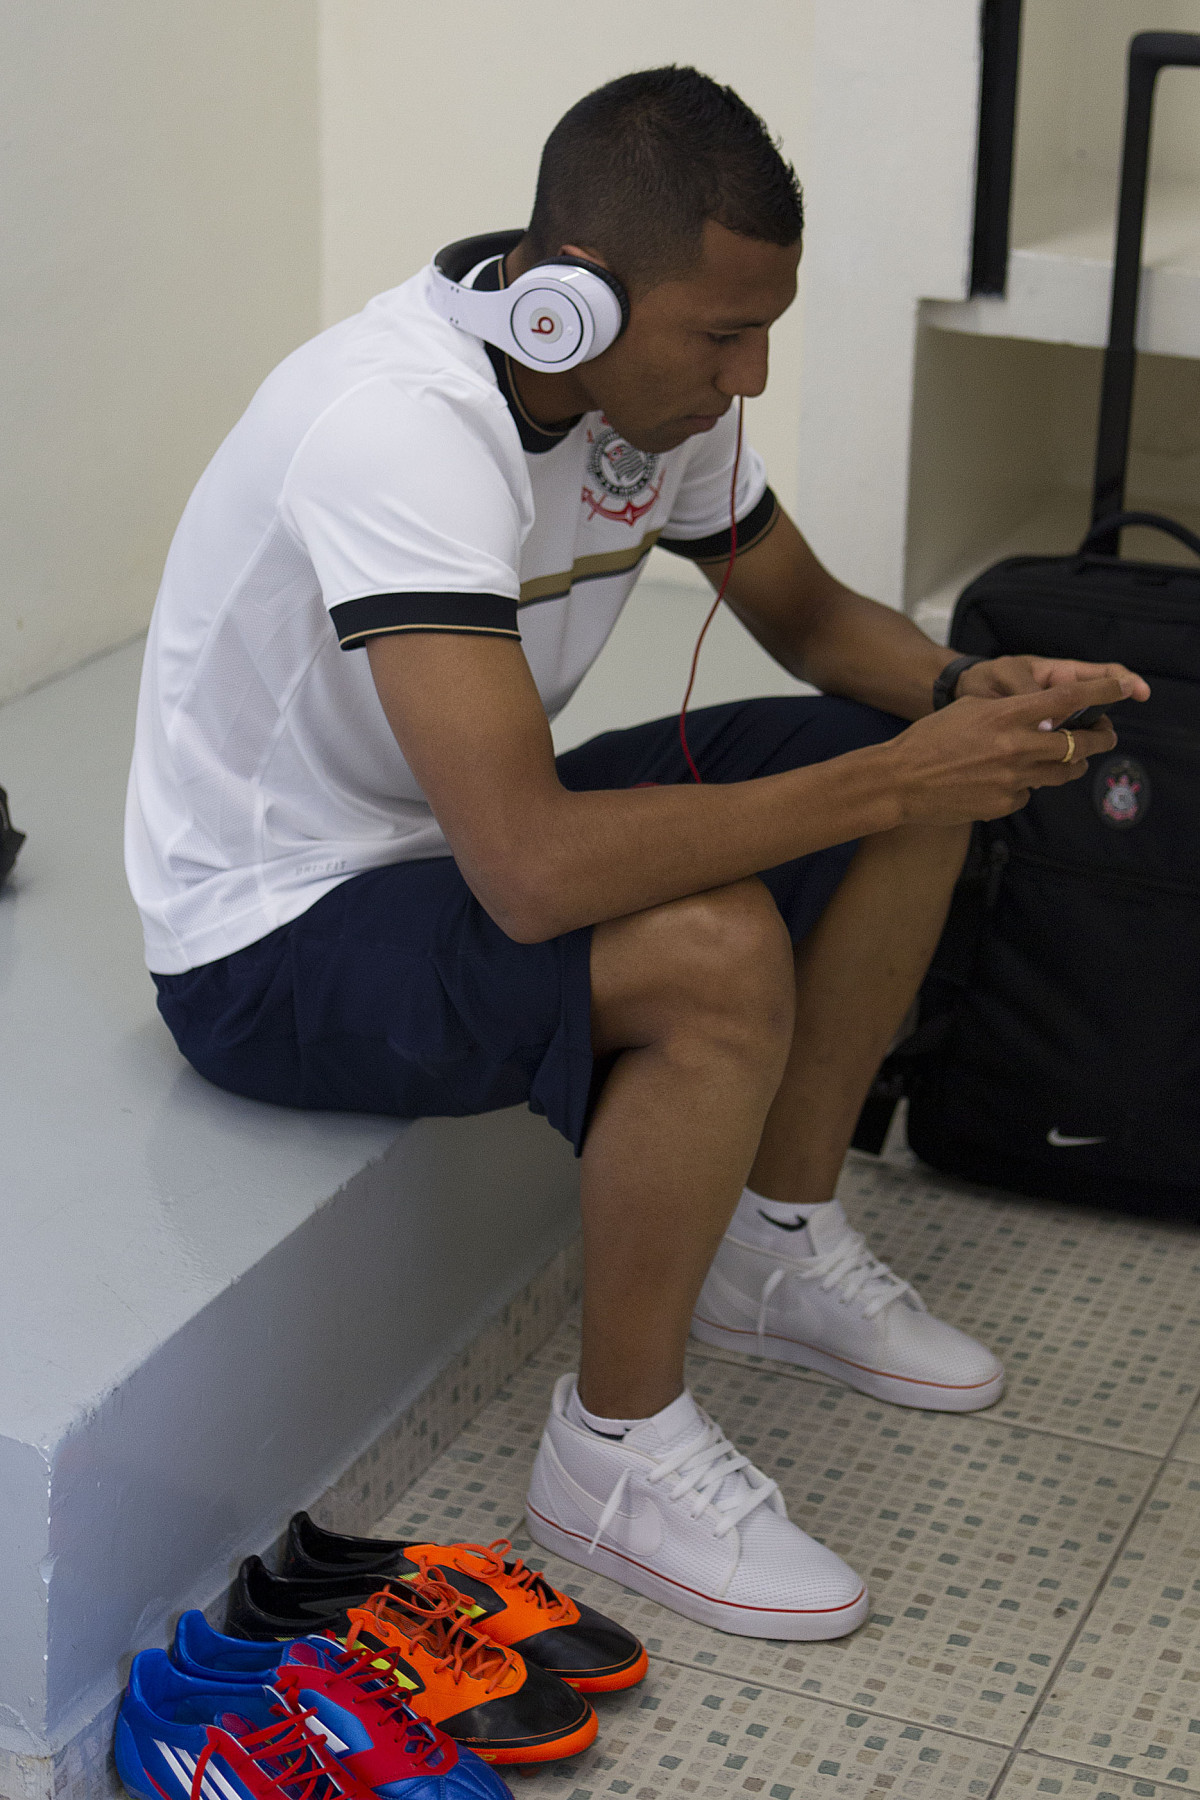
x=396, y=993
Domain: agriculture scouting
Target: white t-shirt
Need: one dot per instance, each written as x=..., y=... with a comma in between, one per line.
x=379, y=481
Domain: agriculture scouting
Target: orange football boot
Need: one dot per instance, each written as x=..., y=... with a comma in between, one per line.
x=479, y=1692
x=509, y=1603
x=516, y=1606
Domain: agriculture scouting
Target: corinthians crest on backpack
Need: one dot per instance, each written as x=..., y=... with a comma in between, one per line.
x=1121, y=791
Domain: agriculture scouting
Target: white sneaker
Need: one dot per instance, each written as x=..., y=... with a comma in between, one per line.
x=819, y=1298
x=674, y=1512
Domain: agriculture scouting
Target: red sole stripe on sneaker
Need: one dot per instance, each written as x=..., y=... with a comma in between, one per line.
x=951, y=1387
x=784, y=1612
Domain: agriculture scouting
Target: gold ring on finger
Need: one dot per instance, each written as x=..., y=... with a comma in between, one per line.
x=1070, y=737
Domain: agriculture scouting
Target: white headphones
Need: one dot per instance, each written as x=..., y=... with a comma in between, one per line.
x=557, y=315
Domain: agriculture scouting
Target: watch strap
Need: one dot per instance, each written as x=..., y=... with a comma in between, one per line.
x=945, y=683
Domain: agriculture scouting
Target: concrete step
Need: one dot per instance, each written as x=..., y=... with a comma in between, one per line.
x=208, y=1307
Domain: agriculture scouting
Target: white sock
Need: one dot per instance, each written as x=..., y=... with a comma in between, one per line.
x=664, y=1427
x=772, y=1225
x=578, y=1414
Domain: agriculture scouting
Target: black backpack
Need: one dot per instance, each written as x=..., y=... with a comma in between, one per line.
x=1057, y=1050
x=1058, y=1045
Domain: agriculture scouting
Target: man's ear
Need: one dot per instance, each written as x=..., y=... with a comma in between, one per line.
x=587, y=255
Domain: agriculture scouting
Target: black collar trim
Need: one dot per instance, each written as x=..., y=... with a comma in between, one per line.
x=535, y=437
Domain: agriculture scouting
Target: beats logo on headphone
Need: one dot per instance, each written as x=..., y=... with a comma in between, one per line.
x=557, y=315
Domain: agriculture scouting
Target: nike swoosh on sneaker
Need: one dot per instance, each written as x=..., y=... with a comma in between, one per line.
x=1062, y=1142
x=641, y=1528
x=798, y=1226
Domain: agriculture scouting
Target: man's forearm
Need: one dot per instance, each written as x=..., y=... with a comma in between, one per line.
x=825, y=633
x=585, y=857
x=545, y=860
x=865, y=651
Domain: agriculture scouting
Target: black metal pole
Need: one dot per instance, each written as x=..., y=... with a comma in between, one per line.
x=1000, y=27
x=1149, y=52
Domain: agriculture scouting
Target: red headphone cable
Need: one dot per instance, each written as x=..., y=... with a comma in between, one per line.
x=737, y=457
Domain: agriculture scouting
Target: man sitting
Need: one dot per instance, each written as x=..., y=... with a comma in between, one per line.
x=367, y=883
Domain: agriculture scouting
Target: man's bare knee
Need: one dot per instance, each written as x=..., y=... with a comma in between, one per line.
x=736, y=935
x=718, y=962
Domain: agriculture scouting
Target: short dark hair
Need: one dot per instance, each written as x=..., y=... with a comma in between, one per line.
x=636, y=169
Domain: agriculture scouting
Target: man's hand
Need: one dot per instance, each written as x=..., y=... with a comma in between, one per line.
x=1004, y=676
x=981, y=759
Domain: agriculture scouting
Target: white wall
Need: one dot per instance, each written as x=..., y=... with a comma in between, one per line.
x=892, y=161
x=433, y=118
x=161, y=253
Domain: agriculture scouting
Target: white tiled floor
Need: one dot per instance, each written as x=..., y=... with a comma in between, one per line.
x=1034, y=1570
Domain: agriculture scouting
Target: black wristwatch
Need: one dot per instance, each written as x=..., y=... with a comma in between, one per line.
x=945, y=683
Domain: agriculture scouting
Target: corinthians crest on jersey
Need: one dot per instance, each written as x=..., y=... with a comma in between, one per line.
x=620, y=482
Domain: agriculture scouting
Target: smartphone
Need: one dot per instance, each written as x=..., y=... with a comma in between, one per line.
x=1083, y=720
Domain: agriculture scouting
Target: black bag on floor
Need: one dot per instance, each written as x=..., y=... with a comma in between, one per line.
x=10, y=839
x=1057, y=1051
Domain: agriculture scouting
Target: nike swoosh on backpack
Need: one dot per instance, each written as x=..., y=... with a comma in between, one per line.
x=1062, y=1142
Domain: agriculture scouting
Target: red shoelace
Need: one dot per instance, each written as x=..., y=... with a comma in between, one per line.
x=415, y=1736
x=432, y=1618
x=501, y=1568
x=293, y=1759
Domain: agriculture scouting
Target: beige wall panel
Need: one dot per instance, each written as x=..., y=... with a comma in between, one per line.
x=434, y=117
x=161, y=253
x=985, y=431
x=1072, y=100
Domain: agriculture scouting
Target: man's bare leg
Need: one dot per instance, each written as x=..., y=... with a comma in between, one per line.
x=694, y=1002
x=714, y=1073
x=857, y=974
x=792, y=1278
x=695, y=999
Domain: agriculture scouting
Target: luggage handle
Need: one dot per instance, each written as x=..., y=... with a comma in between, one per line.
x=1149, y=52
x=1111, y=527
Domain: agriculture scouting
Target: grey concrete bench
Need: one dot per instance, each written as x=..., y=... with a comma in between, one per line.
x=208, y=1307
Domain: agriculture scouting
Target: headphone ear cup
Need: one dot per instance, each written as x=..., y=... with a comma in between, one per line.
x=563, y=313
x=613, y=282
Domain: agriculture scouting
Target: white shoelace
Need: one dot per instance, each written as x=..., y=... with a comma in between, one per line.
x=699, y=1466
x=851, y=1269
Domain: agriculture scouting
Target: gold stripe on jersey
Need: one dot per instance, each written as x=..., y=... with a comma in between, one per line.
x=380, y=615
x=355, y=638
x=587, y=568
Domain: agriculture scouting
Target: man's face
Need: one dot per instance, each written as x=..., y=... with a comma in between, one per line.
x=695, y=342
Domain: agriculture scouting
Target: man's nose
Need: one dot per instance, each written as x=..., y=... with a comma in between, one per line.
x=744, y=368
